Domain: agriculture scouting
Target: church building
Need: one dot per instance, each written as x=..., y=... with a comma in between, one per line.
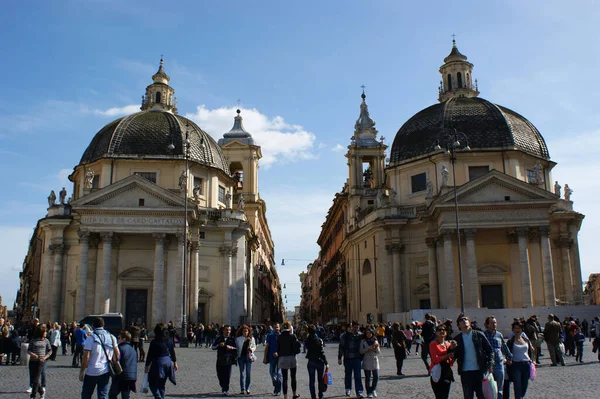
x=162, y=220
x=466, y=194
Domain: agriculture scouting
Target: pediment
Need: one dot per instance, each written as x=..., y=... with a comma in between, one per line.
x=203, y=292
x=127, y=192
x=235, y=144
x=492, y=269
x=423, y=289
x=497, y=187
x=136, y=273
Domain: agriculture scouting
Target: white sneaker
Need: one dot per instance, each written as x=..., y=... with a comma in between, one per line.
x=44, y=389
x=370, y=395
x=347, y=392
x=374, y=394
x=29, y=390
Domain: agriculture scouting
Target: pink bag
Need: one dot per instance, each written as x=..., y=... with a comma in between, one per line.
x=490, y=389
x=532, y=371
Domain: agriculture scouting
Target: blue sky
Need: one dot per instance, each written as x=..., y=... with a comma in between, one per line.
x=69, y=67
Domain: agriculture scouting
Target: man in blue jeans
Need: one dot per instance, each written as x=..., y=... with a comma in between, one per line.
x=94, y=365
x=349, y=350
x=273, y=362
x=501, y=353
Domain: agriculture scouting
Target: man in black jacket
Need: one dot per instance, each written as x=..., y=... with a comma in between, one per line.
x=474, y=356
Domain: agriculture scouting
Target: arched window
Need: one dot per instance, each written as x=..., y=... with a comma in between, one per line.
x=366, y=269
x=449, y=82
x=468, y=82
x=158, y=97
x=237, y=172
x=459, y=78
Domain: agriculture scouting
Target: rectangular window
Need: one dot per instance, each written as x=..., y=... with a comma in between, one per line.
x=477, y=171
x=198, y=181
x=418, y=182
x=150, y=176
x=222, y=194
x=96, y=181
x=530, y=176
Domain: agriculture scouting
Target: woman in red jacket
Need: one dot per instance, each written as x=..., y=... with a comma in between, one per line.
x=442, y=354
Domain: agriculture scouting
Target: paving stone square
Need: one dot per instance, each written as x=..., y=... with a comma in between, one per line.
x=197, y=378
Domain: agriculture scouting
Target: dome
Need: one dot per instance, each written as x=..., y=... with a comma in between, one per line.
x=487, y=126
x=148, y=134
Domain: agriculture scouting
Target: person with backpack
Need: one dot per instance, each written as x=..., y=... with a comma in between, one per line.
x=288, y=346
x=349, y=351
x=317, y=362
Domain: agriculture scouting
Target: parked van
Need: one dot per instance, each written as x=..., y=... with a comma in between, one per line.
x=113, y=322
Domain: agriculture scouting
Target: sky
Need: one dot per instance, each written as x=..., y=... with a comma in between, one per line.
x=69, y=67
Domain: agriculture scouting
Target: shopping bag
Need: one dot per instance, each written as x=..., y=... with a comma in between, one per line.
x=145, y=384
x=562, y=348
x=490, y=389
x=436, y=372
x=532, y=371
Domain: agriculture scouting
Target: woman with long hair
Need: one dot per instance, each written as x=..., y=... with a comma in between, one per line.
x=246, y=345
x=226, y=357
x=39, y=351
x=161, y=361
x=288, y=347
x=442, y=354
x=369, y=348
x=399, y=345
x=55, y=340
x=522, y=355
x=317, y=362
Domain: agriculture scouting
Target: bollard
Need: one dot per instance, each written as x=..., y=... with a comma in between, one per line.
x=24, y=354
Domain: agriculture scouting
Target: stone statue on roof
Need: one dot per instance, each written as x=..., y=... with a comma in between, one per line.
x=429, y=189
x=241, y=203
x=51, y=199
x=557, y=188
x=89, y=179
x=62, y=196
x=568, y=192
x=445, y=175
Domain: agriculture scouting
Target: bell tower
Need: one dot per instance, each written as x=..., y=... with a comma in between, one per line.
x=457, y=76
x=159, y=95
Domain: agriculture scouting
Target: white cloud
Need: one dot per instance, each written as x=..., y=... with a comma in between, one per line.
x=118, y=111
x=338, y=148
x=280, y=141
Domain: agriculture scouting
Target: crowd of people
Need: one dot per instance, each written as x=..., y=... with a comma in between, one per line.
x=483, y=356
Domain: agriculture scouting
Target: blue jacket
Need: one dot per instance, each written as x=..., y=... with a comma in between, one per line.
x=128, y=362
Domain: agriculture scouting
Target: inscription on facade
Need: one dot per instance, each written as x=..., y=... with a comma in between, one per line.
x=131, y=220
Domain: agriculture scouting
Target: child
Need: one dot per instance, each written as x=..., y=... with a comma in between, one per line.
x=579, y=339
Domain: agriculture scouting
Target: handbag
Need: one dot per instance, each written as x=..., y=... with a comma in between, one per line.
x=114, y=368
x=532, y=371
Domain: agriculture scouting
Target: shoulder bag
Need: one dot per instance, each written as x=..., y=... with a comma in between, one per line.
x=114, y=367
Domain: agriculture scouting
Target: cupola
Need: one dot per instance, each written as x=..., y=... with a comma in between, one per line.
x=159, y=95
x=457, y=78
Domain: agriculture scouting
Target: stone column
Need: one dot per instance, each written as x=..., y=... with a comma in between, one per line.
x=84, y=244
x=434, y=297
x=180, y=275
x=57, y=250
x=565, y=244
x=194, y=285
x=106, y=268
x=226, y=251
x=525, y=271
x=547, y=269
x=158, y=280
x=473, y=300
x=396, y=268
x=450, y=283
x=576, y=268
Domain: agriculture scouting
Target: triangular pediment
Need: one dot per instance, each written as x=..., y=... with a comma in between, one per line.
x=203, y=292
x=126, y=193
x=497, y=187
x=423, y=289
x=235, y=144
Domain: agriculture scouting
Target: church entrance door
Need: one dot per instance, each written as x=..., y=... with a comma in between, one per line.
x=492, y=296
x=136, y=306
x=202, y=313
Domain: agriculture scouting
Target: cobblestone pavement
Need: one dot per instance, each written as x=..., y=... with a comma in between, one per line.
x=197, y=378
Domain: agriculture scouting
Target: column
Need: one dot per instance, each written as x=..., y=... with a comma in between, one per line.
x=473, y=300
x=158, y=281
x=194, y=287
x=565, y=247
x=57, y=271
x=395, y=250
x=576, y=268
x=525, y=272
x=227, y=282
x=106, y=266
x=450, y=283
x=84, y=244
x=434, y=297
x=547, y=269
x=180, y=275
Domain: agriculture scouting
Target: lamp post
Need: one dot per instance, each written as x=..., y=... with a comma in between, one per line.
x=452, y=144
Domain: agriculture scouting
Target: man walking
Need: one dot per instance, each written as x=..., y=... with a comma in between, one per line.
x=98, y=350
x=272, y=361
x=79, y=336
x=427, y=335
x=501, y=352
x=474, y=356
x=552, y=334
x=349, y=350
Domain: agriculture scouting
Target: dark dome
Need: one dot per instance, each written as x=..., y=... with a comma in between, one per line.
x=149, y=134
x=486, y=125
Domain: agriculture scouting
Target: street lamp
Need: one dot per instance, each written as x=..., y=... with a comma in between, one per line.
x=452, y=143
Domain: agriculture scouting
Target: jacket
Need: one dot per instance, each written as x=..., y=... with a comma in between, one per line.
x=286, y=344
x=128, y=362
x=315, y=350
x=483, y=350
x=370, y=359
x=552, y=332
x=239, y=343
